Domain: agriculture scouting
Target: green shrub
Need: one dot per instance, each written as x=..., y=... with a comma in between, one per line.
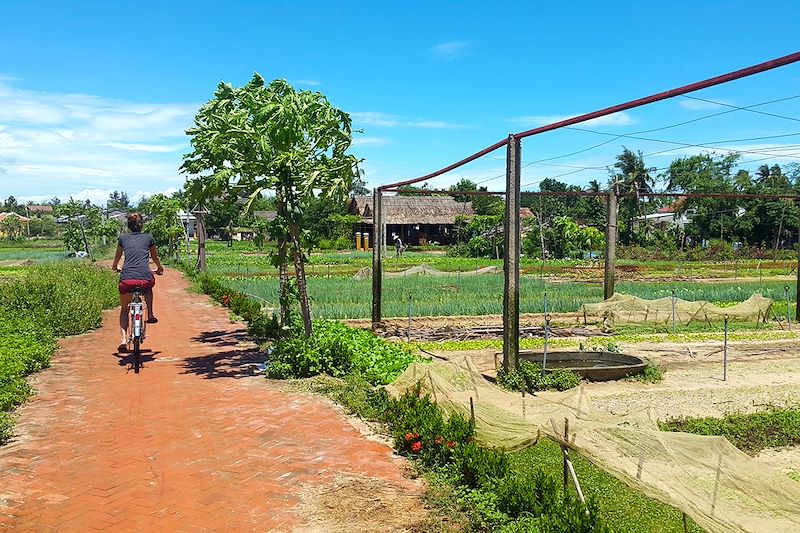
x=419, y=429
x=652, y=373
x=336, y=350
x=572, y=516
x=479, y=467
x=481, y=506
x=526, y=492
x=238, y=302
x=530, y=377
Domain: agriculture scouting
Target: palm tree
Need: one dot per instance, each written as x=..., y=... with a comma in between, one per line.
x=633, y=177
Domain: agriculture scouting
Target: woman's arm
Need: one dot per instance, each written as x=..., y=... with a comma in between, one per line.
x=154, y=257
x=117, y=257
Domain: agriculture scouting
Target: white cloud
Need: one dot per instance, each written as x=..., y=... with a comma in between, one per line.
x=615, y=119
x=54, y=144
x=363, y=142
x=371, y=118
x=450, y=50
x=312, y=83
x=134, y=147
x=96, y=196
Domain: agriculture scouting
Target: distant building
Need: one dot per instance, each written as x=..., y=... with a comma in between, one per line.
x=666, y=217
x=417, y=220
x=189, y=221
x=39, y=211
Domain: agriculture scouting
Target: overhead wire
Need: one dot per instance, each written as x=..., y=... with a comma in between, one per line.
x=617, y=136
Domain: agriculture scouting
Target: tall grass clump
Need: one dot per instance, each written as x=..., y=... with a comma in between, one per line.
x=65, y=298
x=44, y=303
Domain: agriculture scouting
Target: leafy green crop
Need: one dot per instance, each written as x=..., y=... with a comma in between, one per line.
x=336, y=350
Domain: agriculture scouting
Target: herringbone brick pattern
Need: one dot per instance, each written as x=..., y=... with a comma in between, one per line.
x=195, y=442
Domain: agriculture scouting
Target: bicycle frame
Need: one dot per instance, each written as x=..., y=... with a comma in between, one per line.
x=136, y=327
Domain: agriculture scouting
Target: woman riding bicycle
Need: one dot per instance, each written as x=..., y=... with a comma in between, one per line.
x=138, y=249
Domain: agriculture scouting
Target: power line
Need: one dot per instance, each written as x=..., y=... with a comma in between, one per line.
x=746, y=108
x=661, y=128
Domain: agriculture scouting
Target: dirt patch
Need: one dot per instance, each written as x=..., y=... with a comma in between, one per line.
x=353, y=504
x=761, y=374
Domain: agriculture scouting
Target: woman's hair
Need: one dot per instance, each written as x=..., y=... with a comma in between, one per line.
x=135, y=222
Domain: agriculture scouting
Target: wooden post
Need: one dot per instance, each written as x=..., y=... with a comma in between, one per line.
x=611, y=244
x=566, y=468
x=512, y=252
x=378, y=239
x=471, y=412
x=725, y=351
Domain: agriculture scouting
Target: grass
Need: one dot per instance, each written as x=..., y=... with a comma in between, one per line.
x=32, y=254
x=751, y=432
x=245, y=258
x=621, y=508
x=341, y=297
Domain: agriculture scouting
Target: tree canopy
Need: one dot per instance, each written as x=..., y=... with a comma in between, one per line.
x=270, y=137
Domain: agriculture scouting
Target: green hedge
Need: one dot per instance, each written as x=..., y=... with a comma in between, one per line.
x=46, y=302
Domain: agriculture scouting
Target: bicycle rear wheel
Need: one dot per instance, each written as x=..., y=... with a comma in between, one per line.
x=137, y=355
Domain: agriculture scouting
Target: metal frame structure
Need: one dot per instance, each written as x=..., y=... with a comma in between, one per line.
x=513, y=193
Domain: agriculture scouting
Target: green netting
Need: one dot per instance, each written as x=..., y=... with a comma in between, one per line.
x=626, y=309
x=708, y=478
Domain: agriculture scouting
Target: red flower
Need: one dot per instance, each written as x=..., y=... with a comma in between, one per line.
x=410, y=436
x=451, y=444
x=439, y=440
x=416, y=447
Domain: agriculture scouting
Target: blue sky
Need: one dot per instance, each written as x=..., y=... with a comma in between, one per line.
x=95, y=96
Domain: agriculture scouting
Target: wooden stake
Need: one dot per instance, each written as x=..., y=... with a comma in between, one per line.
x=471, y=412
x=566, y=456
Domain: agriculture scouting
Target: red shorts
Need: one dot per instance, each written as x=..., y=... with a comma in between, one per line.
x=127, y=285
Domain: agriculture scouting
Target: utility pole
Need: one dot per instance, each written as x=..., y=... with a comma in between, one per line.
x=611, y=244
x=512, y=232
x=378, y=238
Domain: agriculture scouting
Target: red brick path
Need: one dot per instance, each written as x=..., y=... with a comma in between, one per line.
x=194, y=442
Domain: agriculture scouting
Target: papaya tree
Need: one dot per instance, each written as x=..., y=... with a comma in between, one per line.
x=271, y=138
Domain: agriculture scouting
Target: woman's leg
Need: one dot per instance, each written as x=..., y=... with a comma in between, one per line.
x=148, y=300
x=124, y=300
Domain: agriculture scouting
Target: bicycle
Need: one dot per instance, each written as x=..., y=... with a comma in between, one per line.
x=137, y=326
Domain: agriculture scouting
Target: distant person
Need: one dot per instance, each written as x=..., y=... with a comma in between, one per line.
x=139, y=248
x=398, y=245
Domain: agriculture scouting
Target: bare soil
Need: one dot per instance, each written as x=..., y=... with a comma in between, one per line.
x=351, y=504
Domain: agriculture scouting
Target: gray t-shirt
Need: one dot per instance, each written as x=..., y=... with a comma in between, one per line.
x=136, y=247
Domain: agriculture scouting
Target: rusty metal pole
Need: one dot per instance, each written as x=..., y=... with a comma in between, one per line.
x=611, y=244
x=512, y=252
x=378, y=239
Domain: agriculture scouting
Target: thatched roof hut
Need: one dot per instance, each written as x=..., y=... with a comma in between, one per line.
x=434, y=210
